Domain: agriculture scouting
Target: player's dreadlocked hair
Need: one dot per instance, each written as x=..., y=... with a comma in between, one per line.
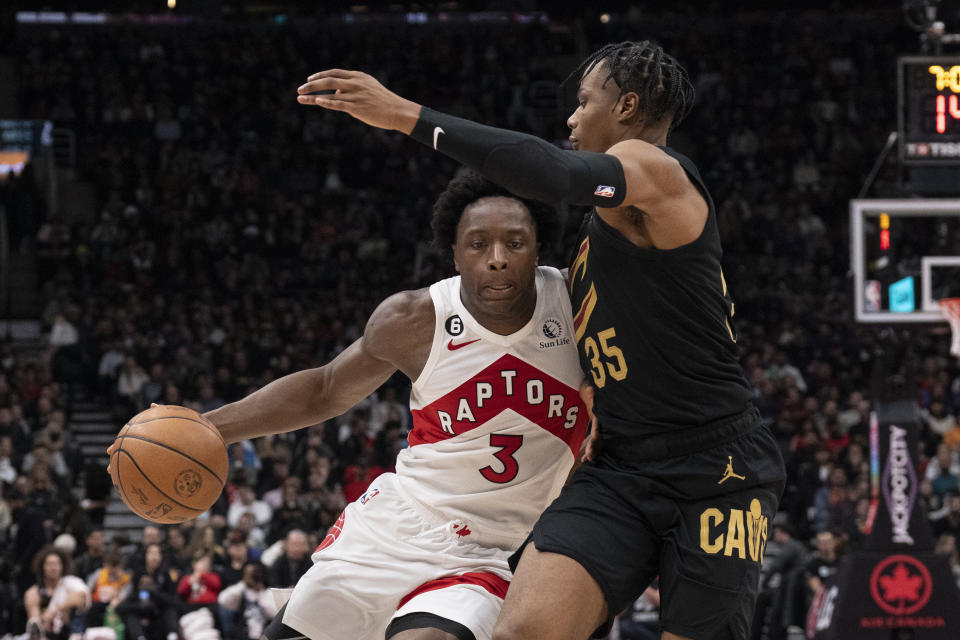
x=468, y=187
x=647, y=70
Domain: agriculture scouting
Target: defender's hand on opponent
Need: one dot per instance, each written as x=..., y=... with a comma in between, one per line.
x=590, y=448
x=362, y=96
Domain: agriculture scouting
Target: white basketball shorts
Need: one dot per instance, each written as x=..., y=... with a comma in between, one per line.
x=385, y=558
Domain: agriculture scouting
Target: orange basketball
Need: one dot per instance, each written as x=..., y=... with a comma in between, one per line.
x=170, y=464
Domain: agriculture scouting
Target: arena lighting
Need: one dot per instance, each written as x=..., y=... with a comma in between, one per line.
x=171, y=4
x=604, y=18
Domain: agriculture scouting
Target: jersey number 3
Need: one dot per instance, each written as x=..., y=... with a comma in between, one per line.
x=508, y=446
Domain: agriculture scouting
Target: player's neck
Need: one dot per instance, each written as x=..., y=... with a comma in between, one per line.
x=503, y=319
x=654, y=134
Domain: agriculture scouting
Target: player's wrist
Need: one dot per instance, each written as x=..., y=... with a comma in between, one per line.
x=407, y=117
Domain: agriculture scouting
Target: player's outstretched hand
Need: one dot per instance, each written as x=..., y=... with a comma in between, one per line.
x=593, y=442
x=362, y=96
x=113, y=445
x=110, y=450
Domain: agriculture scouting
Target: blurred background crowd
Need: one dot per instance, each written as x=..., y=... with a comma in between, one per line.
x=239, y=237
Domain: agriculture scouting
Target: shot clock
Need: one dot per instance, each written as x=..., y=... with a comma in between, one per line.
x=929, y=110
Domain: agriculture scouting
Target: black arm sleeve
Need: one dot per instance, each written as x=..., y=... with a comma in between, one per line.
x=524, y=164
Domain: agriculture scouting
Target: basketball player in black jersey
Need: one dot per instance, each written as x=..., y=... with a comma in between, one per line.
x=687, y=479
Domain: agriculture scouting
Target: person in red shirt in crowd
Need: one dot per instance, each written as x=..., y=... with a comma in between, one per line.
x=200, y=588
x=358, y=476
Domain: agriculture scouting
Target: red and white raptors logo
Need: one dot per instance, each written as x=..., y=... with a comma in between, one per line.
x=901, y=585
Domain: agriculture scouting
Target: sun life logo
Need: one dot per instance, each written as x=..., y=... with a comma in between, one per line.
x=552, y=329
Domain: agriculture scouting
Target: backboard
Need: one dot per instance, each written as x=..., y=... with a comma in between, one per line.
x=905, y=255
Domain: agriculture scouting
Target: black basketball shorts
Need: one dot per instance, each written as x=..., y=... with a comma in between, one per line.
x=699, y=521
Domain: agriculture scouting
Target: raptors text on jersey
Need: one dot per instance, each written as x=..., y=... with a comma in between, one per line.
x=497, y=420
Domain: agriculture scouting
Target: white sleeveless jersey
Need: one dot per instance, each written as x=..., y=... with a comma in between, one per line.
x=497, y=420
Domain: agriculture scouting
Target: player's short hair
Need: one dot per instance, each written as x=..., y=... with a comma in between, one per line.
x=468, y=187
x=644, y=68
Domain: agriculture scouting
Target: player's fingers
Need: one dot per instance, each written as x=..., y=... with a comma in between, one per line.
x=333, y=73
x=587, y=452
x=327, y=102
x=326, y=84
x=323, y=84
x=586, y=394
x=153, y=404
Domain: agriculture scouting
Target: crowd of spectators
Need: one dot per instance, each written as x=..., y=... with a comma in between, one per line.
x=240, y=237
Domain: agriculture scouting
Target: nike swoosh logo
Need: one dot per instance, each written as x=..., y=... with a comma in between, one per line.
x=454, y=347
x=436, y=136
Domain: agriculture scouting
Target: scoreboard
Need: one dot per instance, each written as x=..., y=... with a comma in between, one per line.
x=929, y=109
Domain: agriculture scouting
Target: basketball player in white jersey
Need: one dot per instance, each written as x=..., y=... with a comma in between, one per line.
x=497, y=423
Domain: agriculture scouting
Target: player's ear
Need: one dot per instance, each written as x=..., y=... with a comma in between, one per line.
x=628, y=110
x=453, y=250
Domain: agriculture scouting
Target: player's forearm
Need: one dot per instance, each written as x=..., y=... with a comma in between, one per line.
x=524, y=164
x=292, y=402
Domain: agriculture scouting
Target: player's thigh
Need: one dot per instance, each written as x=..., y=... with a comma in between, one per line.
x=710, y=566
x=465, y=610
x=378, y=552
x=589, y=556
x=422, y=634
x=552, y=596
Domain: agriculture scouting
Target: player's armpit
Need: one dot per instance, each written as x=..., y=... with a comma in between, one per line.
x=656, y=184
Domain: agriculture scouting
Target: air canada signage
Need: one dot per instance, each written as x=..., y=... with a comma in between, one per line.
x=901, y=585
x=911, y=590
x=906, y=592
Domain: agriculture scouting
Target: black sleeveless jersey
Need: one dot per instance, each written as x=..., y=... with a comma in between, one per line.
x=654, y=329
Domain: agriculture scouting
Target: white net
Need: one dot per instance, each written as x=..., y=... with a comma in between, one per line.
x=951, y=308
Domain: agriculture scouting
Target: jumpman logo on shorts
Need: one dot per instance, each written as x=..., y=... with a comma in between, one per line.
x=728, y=472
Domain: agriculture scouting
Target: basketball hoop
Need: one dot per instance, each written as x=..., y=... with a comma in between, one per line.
x=950, y=307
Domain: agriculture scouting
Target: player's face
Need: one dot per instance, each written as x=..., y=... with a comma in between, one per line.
x=593, y=124
x=496, y=254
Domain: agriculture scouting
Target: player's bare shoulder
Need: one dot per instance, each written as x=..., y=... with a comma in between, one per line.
x=662, y=207
x=400, y=330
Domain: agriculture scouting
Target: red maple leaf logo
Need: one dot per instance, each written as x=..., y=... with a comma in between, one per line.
x=901, y=585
